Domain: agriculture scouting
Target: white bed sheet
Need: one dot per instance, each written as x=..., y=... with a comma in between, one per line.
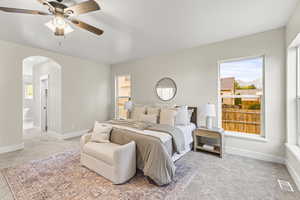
x=188, y=138
x=188, y=133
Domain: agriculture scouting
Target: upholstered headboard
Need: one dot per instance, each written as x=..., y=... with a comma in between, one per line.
x=194, y=115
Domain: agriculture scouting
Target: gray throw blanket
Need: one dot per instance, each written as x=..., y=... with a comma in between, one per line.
x=153, y=156
x=177, y=135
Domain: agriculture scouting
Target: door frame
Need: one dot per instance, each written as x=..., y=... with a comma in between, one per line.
x=43, y=78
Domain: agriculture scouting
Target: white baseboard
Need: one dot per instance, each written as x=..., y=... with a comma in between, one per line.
x=293, y=173
x=255, y=155
x=74, y=134
x=293, y=162
x=69, y=135
x=54, y=134
x=11, y=148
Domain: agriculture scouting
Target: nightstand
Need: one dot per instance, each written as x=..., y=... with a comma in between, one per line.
x=214, y=133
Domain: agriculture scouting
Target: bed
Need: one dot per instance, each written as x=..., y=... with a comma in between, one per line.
x=158, y=146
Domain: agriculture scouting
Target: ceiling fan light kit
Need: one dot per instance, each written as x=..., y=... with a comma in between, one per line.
x=63, y=15
x=59, y=26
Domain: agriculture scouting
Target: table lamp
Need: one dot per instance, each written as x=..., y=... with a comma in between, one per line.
x=210, y=113
x=128, y=106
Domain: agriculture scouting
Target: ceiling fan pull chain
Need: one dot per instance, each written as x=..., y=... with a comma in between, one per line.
x=61, y=41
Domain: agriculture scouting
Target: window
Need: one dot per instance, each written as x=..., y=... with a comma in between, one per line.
x=123, y=94
x=28, y=91
x=241, y=95
x=298, y=94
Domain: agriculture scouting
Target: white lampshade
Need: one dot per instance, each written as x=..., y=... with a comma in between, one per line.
x=128, y=105
x=59, y=23
x=210, y=110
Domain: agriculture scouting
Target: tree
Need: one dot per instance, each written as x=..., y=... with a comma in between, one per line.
x=236, y=85
x=252, y=86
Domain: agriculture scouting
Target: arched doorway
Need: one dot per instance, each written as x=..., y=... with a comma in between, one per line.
x=41, y=95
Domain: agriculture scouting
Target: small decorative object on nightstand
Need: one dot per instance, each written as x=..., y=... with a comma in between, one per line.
x=213, y=133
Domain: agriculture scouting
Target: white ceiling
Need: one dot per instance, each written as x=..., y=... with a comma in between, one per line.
x=140, y=28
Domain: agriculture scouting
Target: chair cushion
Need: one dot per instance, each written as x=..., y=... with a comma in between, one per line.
x=101, y=151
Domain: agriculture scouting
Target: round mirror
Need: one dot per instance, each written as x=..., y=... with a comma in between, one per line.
x=166, y=89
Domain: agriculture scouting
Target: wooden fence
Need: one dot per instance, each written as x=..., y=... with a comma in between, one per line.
x=241, y=120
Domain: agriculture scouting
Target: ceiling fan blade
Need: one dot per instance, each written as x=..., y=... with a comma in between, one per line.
x=24, y=11
x=84, y=7
x=87, y=27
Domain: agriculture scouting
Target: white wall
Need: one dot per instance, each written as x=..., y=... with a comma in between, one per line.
x=293, y=26
x=195, y=72
x=85, y=92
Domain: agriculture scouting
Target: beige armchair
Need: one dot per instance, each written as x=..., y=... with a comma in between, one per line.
x=112, y=161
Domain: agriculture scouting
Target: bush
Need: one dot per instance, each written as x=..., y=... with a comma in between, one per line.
x=237, y=101
x=254, y=107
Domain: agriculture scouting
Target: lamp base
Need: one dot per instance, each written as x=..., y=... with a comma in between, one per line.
x=209, y=122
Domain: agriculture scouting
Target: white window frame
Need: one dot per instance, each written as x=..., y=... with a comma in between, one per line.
x=25, y=91
x=262, y=136
x=298, y=94
x=117, y=92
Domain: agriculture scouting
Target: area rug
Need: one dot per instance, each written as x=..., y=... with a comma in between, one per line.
x=61, y=177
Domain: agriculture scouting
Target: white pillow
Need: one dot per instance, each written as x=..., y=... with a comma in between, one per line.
x=167, y=116
x=137, y=111
x=165, y=106
x=182, y=116
x=153, y=111
x=148, y=118
x=101, y=133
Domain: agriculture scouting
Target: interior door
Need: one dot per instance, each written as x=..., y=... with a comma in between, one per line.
x=44, y=105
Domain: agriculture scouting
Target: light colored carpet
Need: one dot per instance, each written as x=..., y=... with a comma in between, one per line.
x=62, y=177
x=230, y=178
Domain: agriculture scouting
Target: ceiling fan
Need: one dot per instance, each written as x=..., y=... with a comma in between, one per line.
x=63, y=14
